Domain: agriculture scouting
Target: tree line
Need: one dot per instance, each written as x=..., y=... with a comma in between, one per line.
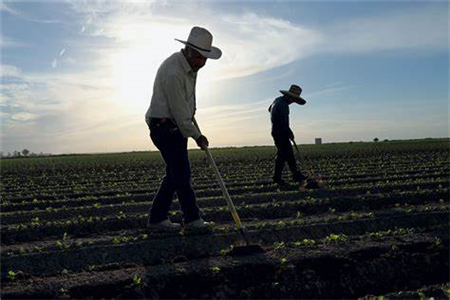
x=23, y=153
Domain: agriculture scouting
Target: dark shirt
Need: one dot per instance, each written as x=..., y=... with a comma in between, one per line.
x=279, y=115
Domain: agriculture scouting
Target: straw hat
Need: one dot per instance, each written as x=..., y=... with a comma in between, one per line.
x=200, y=39
x=294, y=92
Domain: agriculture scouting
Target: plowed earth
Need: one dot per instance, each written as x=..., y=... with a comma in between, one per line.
x=74, y=226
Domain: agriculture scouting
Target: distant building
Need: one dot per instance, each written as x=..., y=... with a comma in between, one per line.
x=318, y=141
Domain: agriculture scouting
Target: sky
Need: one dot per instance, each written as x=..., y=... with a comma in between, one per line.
x=77, y=75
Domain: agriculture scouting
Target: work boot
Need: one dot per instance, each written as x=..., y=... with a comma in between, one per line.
x=165, y=225
x=198, y=224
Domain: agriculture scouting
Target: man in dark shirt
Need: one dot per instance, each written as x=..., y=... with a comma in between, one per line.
x=282, y=133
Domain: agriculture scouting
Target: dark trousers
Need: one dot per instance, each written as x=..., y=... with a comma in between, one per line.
x=173, y=147
x=285, y=154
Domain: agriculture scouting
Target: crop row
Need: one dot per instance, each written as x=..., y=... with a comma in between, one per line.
x=144, y=196
x=138, y=204
x=236, y=174
x=392, y=263
x=84, y=226
x=155, y=249
x=78, y=190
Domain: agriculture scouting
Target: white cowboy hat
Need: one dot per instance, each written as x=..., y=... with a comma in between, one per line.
x=294, y=92
x=200, y=39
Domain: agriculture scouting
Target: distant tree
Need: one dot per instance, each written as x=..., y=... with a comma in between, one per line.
x=386, y=140
x=375, y=140
x=25, y=152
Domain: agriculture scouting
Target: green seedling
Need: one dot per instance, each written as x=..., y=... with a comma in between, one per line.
x=305, y=242
x=35, y=222
x=121, y=215
x=278, y=245
x=215, y=269
x=437, y=241
x=335, y=238
x=12, y=275
x=137, y=281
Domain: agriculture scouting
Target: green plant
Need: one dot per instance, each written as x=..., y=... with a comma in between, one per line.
x=335, y=238
x=59, y=244
x=215, y=269
x=91, y=267
x=278, y=245
x=304, y=242
x=447, y=292
x=437, y=241
x=121, y=215
x=35, y=222
x=136, y=281
x=12, y=275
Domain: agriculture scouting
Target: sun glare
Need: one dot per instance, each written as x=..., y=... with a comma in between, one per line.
x=136, y=63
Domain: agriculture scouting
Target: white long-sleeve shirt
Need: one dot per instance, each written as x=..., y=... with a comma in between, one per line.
x=174, y=95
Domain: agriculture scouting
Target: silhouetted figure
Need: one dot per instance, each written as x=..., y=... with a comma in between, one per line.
x=170, y=120
x=282, y=133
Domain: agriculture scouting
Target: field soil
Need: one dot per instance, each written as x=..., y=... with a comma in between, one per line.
x=75, y=226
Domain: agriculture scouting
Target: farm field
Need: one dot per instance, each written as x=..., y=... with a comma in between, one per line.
x=74, y=226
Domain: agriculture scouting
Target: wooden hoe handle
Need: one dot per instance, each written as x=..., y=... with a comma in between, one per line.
x=230, y=204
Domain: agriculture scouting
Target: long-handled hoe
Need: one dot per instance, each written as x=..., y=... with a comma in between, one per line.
x=313, y=182
x=236, y=250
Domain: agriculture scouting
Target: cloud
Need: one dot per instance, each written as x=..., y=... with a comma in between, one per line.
x=251, y=43
x=66, y=60
x=24, y=116
x=7, y=42
x=95, y=108
x=60, y=112
x=329, y=89
x=24, y=16
x=54, y=63
x=9, y=71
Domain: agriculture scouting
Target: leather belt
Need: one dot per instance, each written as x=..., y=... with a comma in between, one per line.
x=157, y=122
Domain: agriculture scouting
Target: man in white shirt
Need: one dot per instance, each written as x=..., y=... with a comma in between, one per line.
x=170, y=120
